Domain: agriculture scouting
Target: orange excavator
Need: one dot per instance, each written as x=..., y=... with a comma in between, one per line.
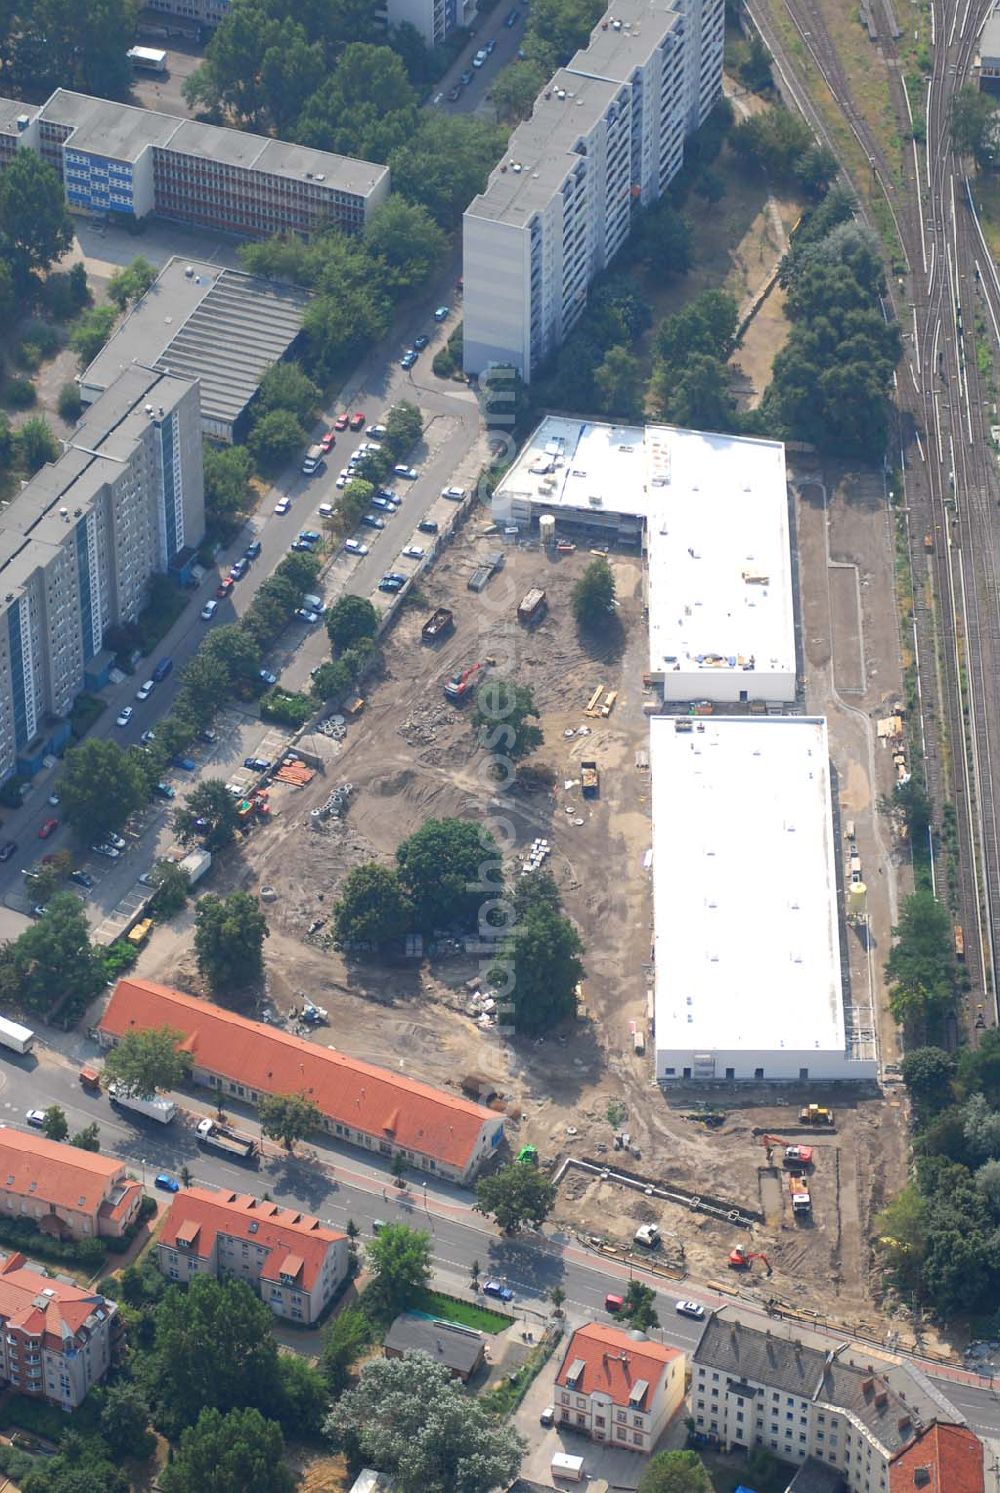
x=462, y=683
x=793, y=1155
x=742, y=1259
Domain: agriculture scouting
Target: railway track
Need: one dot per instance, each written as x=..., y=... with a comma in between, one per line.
x=948, y=306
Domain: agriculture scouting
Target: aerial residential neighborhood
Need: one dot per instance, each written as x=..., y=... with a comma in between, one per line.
x=498, y=674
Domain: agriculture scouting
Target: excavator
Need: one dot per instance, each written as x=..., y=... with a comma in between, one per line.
x=462, y=683
x=793, y=1155
x=742, y=1259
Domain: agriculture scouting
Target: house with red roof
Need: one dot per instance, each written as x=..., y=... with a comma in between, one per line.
x=619, y=1387
x=943, y=1459
x=294, y=1262
x=66, y=1192
x=56, y=1340
x=434, y=1130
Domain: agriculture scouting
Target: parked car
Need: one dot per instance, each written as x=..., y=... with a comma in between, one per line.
x=343, y=480
x=466, y=78
x=548, y=1416
x=162, y=669
x=383, y=505
x=224, y=587
x=341, y=422
x=268, y=678
x=421, y=342
x=145, y=690
x=455, y=93
x=300, y=546
x=304, y=615
x=252, y=551
x=391, y=583
x=328, y=441
x=357, y=420
x=48, y=828
x=54, y=798
x=238, y=570
x=511, y=18
x=7, y=849
x=282, y=505
x=147, y=738
x=441, y=313
x=166, y=1182
x=82, y=878
x=498, y=1289
x=186, y=764
x=209, y=610
x=208, y=735
x=36, y=1117
x=124, y=716
x=256, y=764
x=428, y=526
x=408, y=359
x=454, y=494
x=491, y=46
x=164, y=790
x=690, y=1309
x=378, y=432
x=372, y=521
x=146, y=879
x=115, y=840
x=414, y=552
x=410, y=473
x=355, y=547
x=103, y=848
x=310, y=536
x=478, y=61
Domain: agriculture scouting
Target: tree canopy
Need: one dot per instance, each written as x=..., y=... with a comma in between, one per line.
x=503, y=716
x=594, y=596
x=229, y=941
x=517, y=1194
x=53, y=960
x=288, y=1117
x=208, y=815
x=372, y=908
x=351, y=617
x=145, y=1061
x=921, y=965
x=229, y=1454
x=35, y=228
x=399, y=1259
x=100, y=786
x=444, y=869
x=675, y=1472
x=539, y=965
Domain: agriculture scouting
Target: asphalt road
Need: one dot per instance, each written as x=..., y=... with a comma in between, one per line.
x=474, y=96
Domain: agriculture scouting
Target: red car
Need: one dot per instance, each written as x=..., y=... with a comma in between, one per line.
x=340, y=423
x=48, y=828
x=224, y=587
x=328, y=441
x=357, y=420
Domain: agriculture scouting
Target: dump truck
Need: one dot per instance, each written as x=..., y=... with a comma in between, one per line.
x=216, y=1137
x=17, y=1038
x=798, y=1189
x=90, y=1077
x=157, y=1108
x=532, y=607
x=138, y=935
x=438, y=625
x=590, y=778
x=815, y=1114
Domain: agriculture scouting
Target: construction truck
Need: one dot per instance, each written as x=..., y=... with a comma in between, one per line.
x=798, y=1191
x=438, y=625
x=532, y=607
x=815, y=1114
x=463, y=684
x=648, y=1235
x=226, y=1142
x=792, y=1156
x=138, y=935
x=590, y=778
x=742, y=1259
x=154, y=1108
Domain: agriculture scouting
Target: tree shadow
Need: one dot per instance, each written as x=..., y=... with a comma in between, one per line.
x=605, y=644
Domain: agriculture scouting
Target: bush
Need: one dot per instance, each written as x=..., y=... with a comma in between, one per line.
x=29, y=356
x=86, y=710
x=91, y=332
x=119, y=958
x=19, y=393
x=285, y=708
x=18, y=1233
x=70, y=403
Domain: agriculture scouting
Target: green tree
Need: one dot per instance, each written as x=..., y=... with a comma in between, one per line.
x=341, y=324
x=331, y=681
x=981, y=1127
x=979, y=1067
x=593, y=597
x=705, y=325
x=276, y=436
x=372, y=907
x=354, y=502
x=974, y=126
x=54, y=1123
x=89, y=1138
x=124, y=1422
x=142, y=1062
x=171, y=885
x=204, y=684
x=227, y=471
x=365, y=107
x=515, y=89
x=99, y=788
x=34, y=224
x=53, y=959
x=70, y=404
x=539, y=966
x=502, y=718
x=921, y=966
x=675, y=1472
x=399, y=1259
x=618, y=379
x=35, y=443
x=699, y=396
x=444, y=163
x=516, y=1195
x=344, y=1340
x=409, y=1418
x=213, y=1348
x=444, y=869
x=131, y=282
x=406, y=244
x=229, y=1454
x=303, y=1398
x=403, y=428
x=91, y=332
x=209, y=815
x=928, y=1073
x=639, y=1310
x=285, y=386
x=663, y=240
x=235, y=650
x=229, y=941
x=288, y=1117
x=351, y=618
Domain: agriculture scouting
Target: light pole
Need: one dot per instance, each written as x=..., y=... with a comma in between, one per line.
x=144, y=1174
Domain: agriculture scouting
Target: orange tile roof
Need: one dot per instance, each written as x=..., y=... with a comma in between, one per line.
x=297, y=1243
x=383, y=1104
x=601, y=1349
x=39, y=1304
x=951, y=1456
x=34, y=1166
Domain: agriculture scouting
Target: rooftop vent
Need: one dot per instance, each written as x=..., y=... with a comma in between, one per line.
x=189, y=271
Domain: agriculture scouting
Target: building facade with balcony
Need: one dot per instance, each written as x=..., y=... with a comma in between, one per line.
x=118, y=160
x=604, y=139
x=294, y=1262
x=618, y=1387
x=79, y=545
x=56, y=1340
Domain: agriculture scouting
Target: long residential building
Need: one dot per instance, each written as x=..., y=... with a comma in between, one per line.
x=78, y=545
x=604, y=139
x=291, y=1259
x=68, y=1193
x=359, y=1103
x=120, y=160
x=56, y=1340
x=880, y=1427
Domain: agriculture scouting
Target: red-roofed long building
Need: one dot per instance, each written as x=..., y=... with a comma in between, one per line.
x=368, y=1106
x=944, y=1459
x=618, y=1388
x=295, y=1262
x=68, y=1193
x=55, y=1339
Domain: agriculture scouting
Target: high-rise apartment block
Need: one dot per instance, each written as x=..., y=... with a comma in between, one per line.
x=79, y=544
x=114, y=158
x=604, y=139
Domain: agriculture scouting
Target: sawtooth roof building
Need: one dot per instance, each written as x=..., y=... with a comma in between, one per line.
x=360, y=1103
x=218, y=326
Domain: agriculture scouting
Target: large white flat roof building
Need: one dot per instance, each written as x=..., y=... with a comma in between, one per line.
x=715, y=513
x=747, y=942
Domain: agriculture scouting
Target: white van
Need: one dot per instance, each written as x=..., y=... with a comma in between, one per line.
x=313, y=461
x=570, y=1469
x=325, y=510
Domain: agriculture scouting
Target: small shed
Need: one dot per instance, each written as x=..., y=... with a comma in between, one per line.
x=460, y=1349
